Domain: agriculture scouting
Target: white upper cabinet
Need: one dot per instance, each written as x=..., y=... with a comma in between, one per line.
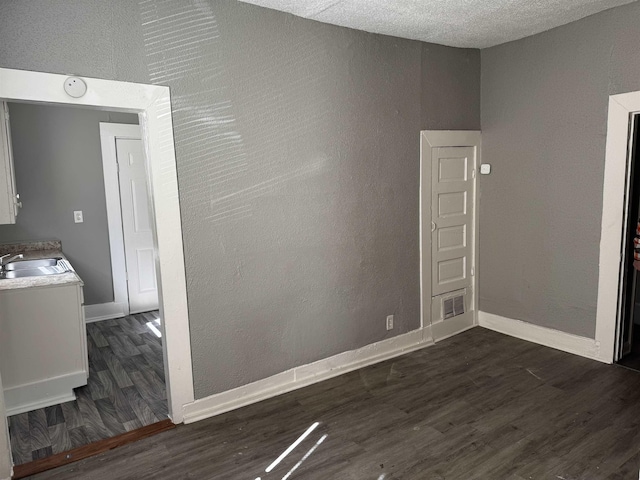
x=9, y=198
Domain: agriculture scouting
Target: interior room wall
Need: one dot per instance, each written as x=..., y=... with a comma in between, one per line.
x=58, y=168
x=450, y=88
x=297, y=146
x=544, y=124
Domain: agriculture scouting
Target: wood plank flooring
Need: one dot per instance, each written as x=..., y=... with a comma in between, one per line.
x=479, y=405
x=125, y=391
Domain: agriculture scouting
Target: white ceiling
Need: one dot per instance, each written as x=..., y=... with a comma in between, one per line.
x=458, y=23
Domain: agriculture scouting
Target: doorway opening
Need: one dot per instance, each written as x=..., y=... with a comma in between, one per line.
x=54, y=406
x=151, y=105
x=129, y=219
x=628, y=347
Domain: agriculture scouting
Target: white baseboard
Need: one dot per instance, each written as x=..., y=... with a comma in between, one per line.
x=104, y=311
x=307, y=374
x=31, y=396
x=567, y=342
x=452, y=326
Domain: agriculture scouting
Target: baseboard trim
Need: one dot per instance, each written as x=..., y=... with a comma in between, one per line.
x=85, y=451
x=103, y=311
x=52, y=391
x=567, y=342
x=307, y=374
x=452, y=326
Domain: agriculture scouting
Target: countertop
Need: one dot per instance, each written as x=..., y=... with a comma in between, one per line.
x=50, y=251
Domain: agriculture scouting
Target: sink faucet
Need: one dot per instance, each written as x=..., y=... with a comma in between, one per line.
x=3, y=262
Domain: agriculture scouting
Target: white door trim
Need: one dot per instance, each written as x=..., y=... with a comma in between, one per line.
x=614, y=207
x=108, y=134
x=428, y=140
x=153, y=105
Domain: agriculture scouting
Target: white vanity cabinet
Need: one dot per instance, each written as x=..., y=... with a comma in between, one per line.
x=9, y=198
x=43, y=345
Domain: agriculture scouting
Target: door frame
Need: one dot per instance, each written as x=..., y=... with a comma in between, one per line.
x=622, y=107
x=108, y=134
x=432, y=139
x=152, y=103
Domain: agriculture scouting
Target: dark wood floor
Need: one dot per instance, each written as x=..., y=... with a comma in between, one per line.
x=125, y=391
x=480, y=405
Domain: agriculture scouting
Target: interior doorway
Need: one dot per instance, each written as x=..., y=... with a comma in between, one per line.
x=111, y=380
x=129, y=218
x=153, y=107
x=628, y=347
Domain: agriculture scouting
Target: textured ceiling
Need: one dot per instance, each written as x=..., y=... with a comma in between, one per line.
x=458, y=23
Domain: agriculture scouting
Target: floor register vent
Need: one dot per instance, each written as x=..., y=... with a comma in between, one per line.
x=452, y=306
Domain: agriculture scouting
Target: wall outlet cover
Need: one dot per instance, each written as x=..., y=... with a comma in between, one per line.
x=389, y=322
x=77, y=216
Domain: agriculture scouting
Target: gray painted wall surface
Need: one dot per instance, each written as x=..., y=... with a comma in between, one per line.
x=544, y=123
x=450, y=88
x=58, y=166
x=298, y=166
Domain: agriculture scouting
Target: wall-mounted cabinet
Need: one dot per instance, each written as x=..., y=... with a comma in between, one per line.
x=9, y=198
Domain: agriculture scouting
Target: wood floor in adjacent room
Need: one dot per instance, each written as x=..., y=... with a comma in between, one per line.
x=125, y=391
x=480, y=405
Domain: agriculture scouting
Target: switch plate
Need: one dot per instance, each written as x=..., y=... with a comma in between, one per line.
x=485, y=169
x=77, y=216
x=389, y=322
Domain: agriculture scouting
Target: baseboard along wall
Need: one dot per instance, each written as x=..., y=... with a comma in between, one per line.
x=549, y=337
x=305, y=375
x=342, y=363
x=104, y=311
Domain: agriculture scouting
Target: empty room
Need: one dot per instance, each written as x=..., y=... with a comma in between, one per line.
x=353, y=239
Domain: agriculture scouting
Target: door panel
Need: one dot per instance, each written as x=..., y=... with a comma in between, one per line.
x=452, y=217
x=450, y=238
x=452, y=204
x=146, y=270
x=136, y=227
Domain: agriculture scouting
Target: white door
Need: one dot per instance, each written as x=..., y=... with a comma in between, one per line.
x=9, y=199
x=453, y=169
x=136, y=226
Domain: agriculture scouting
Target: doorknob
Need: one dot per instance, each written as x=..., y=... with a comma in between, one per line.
x=433, y=226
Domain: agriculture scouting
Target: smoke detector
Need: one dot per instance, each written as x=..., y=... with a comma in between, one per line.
x=75, y=87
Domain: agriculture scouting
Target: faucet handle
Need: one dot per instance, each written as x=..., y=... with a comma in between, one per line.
x=2, y=257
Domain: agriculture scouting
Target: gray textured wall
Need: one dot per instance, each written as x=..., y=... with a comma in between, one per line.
x=298, y=165
x=450, y=88
x=544, y=122
x=58, y=166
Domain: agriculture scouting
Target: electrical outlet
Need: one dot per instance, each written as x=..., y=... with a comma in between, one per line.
x=389, y=322
x=77, y=216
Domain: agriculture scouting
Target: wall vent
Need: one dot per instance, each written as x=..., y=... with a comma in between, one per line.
x=452, y=306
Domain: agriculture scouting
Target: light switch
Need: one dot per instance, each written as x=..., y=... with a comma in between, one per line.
x=485, y=169
x=77, y=216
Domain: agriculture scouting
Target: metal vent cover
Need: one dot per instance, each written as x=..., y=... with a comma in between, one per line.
x=452, y=306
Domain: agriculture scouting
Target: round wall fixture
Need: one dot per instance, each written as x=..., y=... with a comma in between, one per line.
x=75, y=87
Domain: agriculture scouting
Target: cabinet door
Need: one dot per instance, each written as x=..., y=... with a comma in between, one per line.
x=8, y=196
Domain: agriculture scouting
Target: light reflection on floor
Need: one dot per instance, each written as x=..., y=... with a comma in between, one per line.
x=154, y=327
x=292, y=447
x=309, y=452
x=306, y=455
